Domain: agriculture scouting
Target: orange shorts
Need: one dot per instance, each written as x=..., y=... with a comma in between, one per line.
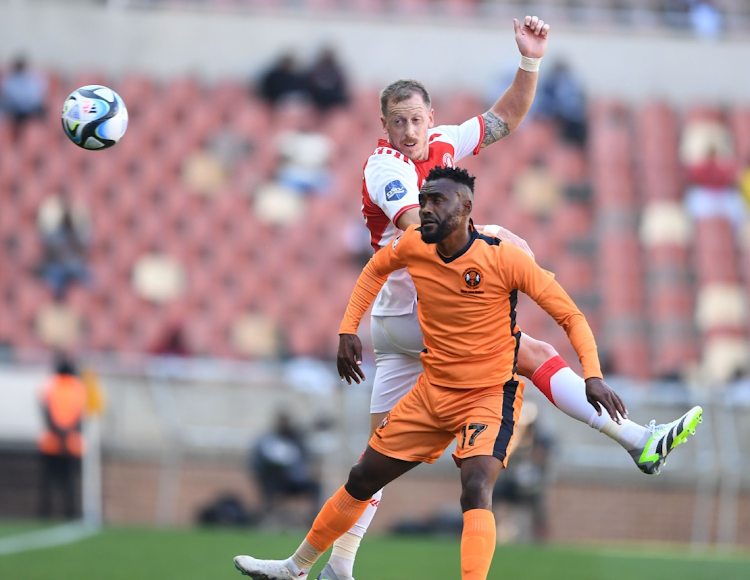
x=425, y=421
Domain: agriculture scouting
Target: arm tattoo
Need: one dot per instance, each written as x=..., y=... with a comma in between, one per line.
x=494, y=129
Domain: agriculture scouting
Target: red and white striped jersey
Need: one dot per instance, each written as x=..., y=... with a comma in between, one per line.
x=391, y=186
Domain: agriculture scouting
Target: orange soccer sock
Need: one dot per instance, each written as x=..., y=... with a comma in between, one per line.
x=337, y=517
x=477, y=544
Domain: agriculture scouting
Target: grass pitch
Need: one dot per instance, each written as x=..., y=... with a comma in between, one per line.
x=150, y=554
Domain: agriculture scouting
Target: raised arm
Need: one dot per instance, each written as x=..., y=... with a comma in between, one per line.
x=510, y=109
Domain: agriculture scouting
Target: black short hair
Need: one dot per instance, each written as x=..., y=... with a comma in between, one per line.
x=457, y=174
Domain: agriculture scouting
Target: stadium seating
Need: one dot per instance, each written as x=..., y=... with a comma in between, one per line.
x=632, y=282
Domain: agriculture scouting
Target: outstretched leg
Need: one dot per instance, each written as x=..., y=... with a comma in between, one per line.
x=338, y=515
x=648, y=446
x=567, y=391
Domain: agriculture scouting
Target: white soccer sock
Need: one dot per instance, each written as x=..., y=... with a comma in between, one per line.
x=345, y=548
x=628, y=434
x=567, y=391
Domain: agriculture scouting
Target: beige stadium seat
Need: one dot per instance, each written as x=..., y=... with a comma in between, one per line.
x=255, y=335
x=58, y=326
x=158, y=277
x=724, y=358
x=665, y=223
x=721, y=306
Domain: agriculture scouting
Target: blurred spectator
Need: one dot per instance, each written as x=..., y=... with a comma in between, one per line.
x=744, y=182
x=63, y=401
x=713, y=190
x=328, y=83
x=524, y=482
x=705, y=130
x=561, y=97
x=706, y=19
x=66, y=237
x=22, y=94
x=281, y=463
x=676, y=13
x=282, y=80
x=172, y=342
x=304, y=153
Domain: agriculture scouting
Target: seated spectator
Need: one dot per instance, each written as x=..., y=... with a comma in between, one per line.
x=328, y=82
x=65, y=239
x=282, y=80
x=561, y=98
x=281, y=464
x=713, y=190
x=22, y=94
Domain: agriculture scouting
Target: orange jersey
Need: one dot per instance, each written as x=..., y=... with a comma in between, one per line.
x=467, y=307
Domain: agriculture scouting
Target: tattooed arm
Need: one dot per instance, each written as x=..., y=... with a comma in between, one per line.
x=494, y=128
x=510, y=109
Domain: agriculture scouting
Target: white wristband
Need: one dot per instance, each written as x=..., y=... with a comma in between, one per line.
x=529, y=64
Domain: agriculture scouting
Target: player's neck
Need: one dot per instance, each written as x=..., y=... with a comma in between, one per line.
x=455, y=242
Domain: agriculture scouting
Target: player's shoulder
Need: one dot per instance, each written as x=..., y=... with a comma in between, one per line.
x=408, y=236
x=386, y=154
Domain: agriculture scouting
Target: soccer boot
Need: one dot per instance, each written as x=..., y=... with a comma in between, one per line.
x=328, y=574
x=266, y=569
x=663, y=439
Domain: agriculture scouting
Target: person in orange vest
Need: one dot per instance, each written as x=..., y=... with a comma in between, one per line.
x=63, y=401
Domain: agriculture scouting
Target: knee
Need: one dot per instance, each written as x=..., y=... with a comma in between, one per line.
x=533, y=354
x=476, y=493
x=360, y=484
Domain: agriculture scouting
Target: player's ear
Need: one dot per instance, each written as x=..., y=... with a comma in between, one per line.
x=382, y=121
x=467, y=206
x=431, y=117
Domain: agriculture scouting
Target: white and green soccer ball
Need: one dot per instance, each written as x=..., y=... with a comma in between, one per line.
x=94, y=117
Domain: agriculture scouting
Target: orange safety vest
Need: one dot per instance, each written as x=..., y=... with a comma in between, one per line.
x=64, y=397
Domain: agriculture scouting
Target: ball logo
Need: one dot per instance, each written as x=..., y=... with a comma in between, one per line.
x=473, y=278
x=88, y=106
x=447, y=160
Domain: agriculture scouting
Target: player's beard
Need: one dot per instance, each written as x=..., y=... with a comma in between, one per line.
x=444, y=229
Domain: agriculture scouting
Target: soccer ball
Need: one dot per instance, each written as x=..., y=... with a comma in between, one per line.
x=94, y=117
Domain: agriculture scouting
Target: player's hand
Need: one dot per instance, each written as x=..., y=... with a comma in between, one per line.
x=600, y=395
x=508, y=236
x=349, y=358
x=531, y=38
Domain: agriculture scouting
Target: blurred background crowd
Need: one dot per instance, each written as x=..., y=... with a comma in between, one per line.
x=200, y=268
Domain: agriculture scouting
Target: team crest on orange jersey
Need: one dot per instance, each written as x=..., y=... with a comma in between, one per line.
x=473, y=279
x=385, y=422
x=447, y=160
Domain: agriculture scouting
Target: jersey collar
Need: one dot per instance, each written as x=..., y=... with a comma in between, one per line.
x=474, y=235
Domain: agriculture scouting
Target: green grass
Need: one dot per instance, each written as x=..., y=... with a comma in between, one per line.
x=149, y=554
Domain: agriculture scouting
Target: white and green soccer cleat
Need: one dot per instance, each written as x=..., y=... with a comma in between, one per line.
x=327, y=573
x=266, y=569
x=663, y=439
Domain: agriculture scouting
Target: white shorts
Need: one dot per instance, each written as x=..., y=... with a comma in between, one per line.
x=398, y=342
